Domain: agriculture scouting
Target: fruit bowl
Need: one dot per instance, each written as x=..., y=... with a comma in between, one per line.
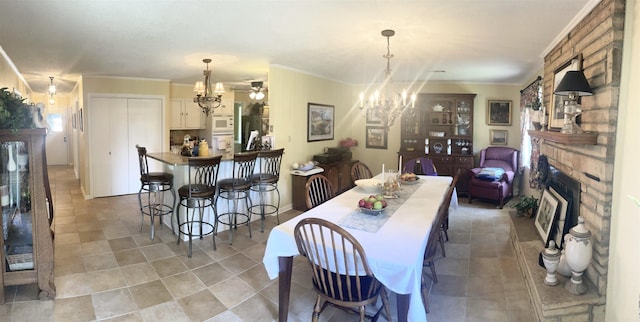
x=372, y=205
x=371, y=211
x=369, y=185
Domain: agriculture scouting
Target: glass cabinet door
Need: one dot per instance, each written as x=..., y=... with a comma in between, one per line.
x=15, y=198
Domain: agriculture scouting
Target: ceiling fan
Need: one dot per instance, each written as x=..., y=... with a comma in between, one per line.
x=256, y=91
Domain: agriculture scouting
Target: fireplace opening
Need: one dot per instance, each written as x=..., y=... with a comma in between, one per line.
x=568, y=189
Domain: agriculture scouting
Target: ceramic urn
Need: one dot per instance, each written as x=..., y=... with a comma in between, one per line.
x=578, y=251
x=551, y=258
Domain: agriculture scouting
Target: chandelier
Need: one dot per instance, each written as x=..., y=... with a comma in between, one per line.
x=385, y=103
x=51, y=91
x=256, y=91
x=207, y=99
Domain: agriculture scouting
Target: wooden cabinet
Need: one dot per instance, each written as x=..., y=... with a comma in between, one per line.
x=339, y=174
x=185, y=114
x=441, y=128
x=26, y=246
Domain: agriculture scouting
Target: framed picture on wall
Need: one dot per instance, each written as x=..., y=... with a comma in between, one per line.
x=376, y=137
x=320, y=120
x=498, y=137
x=372, y=118
x=556, y=112
x=498, y=112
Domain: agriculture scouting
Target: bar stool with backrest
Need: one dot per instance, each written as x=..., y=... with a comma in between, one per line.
x=265, y=181
x=234, y=190
x=196, y=196
x=154, y=185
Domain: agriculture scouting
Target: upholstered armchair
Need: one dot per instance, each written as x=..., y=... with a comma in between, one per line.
x=493, y=180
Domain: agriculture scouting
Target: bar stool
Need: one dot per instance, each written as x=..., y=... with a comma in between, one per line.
x=266, y=180
x=154, y=184
x=197, y=196
x=235, y=189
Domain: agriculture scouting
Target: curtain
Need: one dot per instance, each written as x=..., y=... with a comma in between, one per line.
x=530, y=96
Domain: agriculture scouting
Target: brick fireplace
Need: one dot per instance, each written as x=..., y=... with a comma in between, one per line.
x=598, y=38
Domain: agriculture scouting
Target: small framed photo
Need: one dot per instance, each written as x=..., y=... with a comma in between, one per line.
x=546, y=215
x=559, y=231
x=372, y=118
x=320, y=122
x=556, y=114
x=499, y=112
x=376, y=137
x=498, y=137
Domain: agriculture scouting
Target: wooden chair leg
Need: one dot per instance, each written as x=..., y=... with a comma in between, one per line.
x=425, y=294
x=385, y=303
x=441, y=240
x=432, y=266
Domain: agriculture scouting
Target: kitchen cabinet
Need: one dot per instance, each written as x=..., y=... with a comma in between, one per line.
x=185, y=114
x=441, y=128
x=26, y=246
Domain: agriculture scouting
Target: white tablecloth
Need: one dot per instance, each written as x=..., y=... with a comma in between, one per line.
x=395, y=252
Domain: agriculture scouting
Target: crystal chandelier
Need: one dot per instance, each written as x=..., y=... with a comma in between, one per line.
x=386, y=104
x=51, y=91
x=207, y=99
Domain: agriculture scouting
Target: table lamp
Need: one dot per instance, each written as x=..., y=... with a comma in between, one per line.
x=574, y=84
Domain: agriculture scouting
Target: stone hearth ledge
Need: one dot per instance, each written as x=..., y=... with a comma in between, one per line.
x=550, y=303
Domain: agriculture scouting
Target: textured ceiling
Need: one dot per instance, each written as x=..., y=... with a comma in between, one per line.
x=485, y=41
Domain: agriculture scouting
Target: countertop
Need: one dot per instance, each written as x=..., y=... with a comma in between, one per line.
x=175, y=159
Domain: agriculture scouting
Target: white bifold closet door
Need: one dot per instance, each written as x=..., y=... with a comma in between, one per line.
x=116, y=125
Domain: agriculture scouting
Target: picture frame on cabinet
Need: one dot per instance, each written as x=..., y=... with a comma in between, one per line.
x=499, y=112
x=546, y=215
x=556, y=113
x=320, y=122
x=498, y=137
x=376, y=137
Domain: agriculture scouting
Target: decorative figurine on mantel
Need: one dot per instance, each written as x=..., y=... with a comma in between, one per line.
x=551, y=258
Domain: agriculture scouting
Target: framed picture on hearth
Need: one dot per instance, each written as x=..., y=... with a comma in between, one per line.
x=558, y=230
x=546, y=215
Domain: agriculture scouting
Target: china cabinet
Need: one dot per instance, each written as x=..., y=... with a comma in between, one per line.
x=441, y=128
x=26, y=246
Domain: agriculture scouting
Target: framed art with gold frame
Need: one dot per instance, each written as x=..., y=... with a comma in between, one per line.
x=556, y=112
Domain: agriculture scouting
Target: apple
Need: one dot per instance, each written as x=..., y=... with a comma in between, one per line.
x=384, y=203
x=372, y=200
x=373, y=196
x=377, y=205
x=361, y=203
x=368, y=205
x=380, y=197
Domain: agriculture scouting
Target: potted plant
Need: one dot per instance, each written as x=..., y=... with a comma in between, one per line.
x=14, y=112
x=526, y=206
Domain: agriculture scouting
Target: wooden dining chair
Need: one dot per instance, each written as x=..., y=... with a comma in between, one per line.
x=435, y=237
x=341, y=273
x=318, y=189
x=445, y=222
x=359, y=171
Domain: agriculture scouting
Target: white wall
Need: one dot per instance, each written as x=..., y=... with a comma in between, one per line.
x=623, y=284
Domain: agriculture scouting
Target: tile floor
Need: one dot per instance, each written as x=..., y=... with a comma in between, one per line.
x=107, y=270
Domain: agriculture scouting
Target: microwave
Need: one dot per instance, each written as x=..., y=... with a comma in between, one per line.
x=221, y=123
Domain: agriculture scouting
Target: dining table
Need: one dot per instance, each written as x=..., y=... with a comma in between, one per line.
x=394, y=240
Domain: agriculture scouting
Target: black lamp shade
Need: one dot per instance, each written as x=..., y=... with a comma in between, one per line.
x=574, y=83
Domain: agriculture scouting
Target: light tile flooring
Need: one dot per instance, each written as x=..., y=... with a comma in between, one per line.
x=107, y=270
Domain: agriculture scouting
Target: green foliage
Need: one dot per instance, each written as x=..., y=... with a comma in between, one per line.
x=526, y=204
x=14, y=113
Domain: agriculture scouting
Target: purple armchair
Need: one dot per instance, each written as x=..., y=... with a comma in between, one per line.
x=503, y=163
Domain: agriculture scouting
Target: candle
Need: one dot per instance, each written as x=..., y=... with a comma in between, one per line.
x=383, y=172
x=400, y=165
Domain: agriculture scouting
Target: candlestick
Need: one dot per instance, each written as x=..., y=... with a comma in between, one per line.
x=400, y=165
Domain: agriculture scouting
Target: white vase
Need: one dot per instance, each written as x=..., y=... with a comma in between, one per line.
x=551, y=258
x=578, y=251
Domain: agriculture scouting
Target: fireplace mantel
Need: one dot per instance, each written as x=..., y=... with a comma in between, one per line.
x=578, y=138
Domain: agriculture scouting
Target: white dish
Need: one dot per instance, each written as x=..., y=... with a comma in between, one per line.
x=369, y=185
x=437, y=108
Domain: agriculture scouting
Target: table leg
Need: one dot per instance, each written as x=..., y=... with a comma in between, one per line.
x=403, y=306
x=284, y=287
